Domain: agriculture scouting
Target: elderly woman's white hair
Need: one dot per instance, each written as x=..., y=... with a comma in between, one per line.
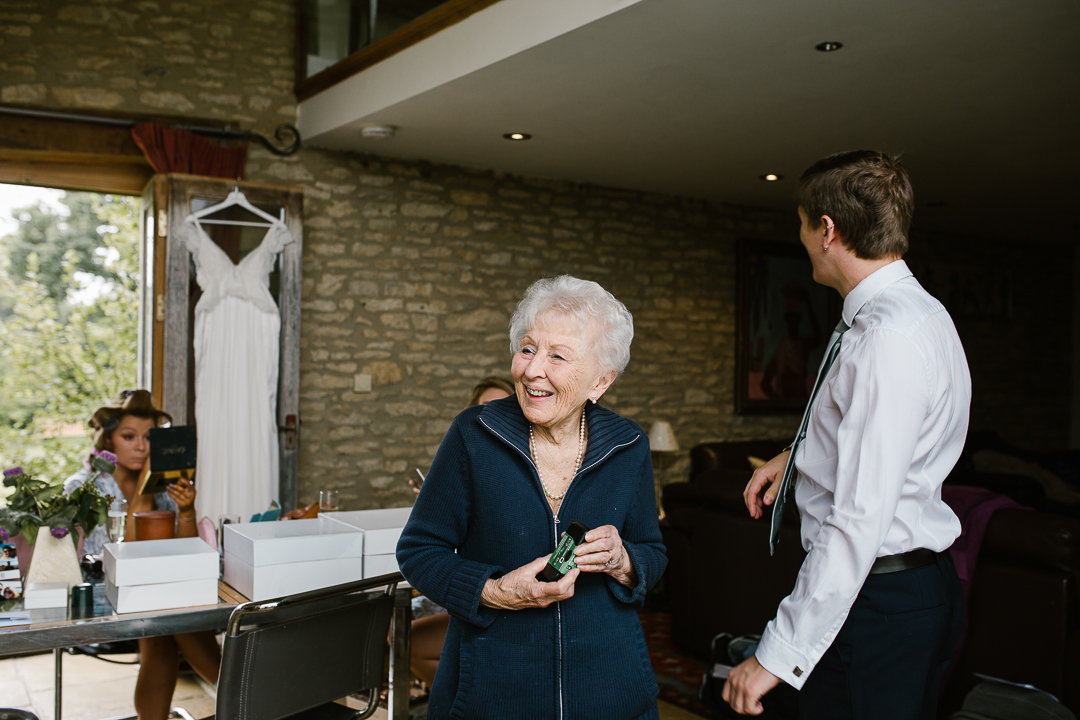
x=590, y=305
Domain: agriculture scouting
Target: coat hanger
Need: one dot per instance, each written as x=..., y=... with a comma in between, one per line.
x=236, y=198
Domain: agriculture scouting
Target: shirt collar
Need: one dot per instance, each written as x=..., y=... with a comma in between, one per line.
x=870, y=286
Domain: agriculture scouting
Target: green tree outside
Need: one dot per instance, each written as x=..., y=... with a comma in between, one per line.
x=69, y=307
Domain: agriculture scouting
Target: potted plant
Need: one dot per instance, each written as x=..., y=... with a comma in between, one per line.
x=50, y=520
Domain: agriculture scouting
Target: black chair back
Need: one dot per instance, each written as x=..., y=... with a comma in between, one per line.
x=291, y=656
x=13, y=714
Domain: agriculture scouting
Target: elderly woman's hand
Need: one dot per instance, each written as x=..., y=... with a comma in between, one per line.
x=603, y=551
x=519, y=589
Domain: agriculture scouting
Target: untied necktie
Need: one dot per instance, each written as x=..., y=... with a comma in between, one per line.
x=789, y=469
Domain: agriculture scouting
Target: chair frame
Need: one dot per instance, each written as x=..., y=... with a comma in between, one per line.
x=250, y=611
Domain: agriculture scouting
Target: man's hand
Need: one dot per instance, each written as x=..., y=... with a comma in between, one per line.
x=771, y=473
x=745, y=686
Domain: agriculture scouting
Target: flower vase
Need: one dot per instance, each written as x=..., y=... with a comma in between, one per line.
x=54, y=560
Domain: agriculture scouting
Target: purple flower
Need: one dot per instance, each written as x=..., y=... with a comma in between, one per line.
x=103, y=461
x=4, y=535
x=13, y=472
x=59, y=533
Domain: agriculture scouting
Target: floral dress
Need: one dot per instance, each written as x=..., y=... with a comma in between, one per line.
x=95, y=542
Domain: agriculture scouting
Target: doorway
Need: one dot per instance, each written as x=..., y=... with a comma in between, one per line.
x=69, y=287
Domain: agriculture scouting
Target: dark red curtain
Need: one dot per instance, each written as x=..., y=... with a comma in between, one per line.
x=172, y=150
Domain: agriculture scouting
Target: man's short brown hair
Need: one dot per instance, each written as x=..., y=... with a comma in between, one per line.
x=868, y=196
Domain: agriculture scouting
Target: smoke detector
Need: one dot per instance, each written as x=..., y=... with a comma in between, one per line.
x=378, y=132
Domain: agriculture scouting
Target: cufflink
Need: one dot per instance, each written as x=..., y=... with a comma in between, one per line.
x=797, y=671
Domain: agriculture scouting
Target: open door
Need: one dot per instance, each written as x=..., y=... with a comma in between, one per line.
x=166, y=330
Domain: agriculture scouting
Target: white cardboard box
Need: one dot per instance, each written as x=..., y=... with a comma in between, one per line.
x=45, y=595
x=269, y=581
x=293, y=541
x=382, y=527
x=153, y=562
x=162, y=596
x=375, y=565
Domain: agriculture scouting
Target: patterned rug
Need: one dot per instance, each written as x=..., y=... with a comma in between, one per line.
x=678, y=676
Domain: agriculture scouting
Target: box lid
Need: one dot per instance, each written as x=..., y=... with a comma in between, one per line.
x=276, y=543
x=381, y=527
x=149, y=562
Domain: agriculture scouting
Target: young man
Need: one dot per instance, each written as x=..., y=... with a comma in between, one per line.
x=877, y=608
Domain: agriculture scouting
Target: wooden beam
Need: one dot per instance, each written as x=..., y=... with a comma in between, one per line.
x=76, y=154
x=122, y=178
x=423, y=27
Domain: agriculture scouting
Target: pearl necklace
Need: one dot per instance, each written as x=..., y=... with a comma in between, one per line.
x=577, y=465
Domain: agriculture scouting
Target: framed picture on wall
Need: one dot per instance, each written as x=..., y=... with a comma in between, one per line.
x=782, y=326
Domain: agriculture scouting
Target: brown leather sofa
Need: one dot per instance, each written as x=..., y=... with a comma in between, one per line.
x=1024, y=613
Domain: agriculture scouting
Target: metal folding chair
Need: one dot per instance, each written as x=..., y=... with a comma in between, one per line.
x=293, y=656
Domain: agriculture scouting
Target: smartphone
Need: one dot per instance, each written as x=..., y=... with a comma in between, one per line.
x=422, y=478
x=562, y=560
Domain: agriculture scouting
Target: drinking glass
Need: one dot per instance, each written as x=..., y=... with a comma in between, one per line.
x=117, y=524
x=224, y=520
x=328, y=501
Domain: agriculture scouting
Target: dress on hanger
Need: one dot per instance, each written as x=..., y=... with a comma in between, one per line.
x=237, y=328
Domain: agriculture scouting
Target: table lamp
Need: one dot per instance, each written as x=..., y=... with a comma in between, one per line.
x=661, y=440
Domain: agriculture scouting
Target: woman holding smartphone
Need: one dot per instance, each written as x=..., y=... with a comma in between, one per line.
x=122, y=427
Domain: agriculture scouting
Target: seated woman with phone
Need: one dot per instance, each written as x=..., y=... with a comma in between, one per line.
x=122, y=427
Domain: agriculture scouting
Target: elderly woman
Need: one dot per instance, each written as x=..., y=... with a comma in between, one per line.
x=508, y=479
x=122, y=427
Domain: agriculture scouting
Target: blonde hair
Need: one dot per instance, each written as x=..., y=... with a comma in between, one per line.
x=486, y=384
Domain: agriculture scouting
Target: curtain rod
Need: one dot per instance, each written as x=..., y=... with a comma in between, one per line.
x=281, y=133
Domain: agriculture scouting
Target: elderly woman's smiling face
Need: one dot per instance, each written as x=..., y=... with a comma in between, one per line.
x=556, y=370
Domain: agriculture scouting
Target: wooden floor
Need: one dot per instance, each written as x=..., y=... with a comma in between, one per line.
x=96, y=690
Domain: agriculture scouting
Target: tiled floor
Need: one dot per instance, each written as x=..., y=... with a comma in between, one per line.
x=95, y=690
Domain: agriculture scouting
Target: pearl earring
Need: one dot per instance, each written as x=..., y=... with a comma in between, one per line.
x=593, y=400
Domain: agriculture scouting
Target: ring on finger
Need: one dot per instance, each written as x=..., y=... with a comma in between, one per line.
x=610, y=557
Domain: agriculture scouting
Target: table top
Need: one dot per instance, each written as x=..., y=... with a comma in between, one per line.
x=51, y=628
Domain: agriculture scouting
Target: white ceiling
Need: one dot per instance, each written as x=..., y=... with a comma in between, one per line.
x=700, y=97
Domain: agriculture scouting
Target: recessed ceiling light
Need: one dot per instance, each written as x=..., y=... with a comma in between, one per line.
x=517, y=136
x=828, y=46
x=771, y=177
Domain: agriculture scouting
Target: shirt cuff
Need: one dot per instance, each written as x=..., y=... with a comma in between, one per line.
x=782, y=659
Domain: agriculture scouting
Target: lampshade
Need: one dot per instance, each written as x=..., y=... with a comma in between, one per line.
x=662, y=437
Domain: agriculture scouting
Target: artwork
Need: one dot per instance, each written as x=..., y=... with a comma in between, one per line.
x=783, y=324
x=10, y=579
x=968, y=290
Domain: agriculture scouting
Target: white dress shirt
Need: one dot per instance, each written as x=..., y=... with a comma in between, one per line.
x=886, y=429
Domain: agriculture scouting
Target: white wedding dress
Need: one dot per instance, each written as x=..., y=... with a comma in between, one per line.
x=237, y=327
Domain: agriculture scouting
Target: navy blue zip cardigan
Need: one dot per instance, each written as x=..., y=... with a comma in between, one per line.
x=481, y=514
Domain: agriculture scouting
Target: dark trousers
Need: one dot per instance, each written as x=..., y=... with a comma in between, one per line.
x=887, y=661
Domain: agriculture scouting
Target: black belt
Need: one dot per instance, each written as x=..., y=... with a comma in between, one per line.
x=904, y=561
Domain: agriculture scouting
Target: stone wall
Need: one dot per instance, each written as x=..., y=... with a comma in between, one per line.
x=411, y=270
x=1013, y=310
x=411, y=273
